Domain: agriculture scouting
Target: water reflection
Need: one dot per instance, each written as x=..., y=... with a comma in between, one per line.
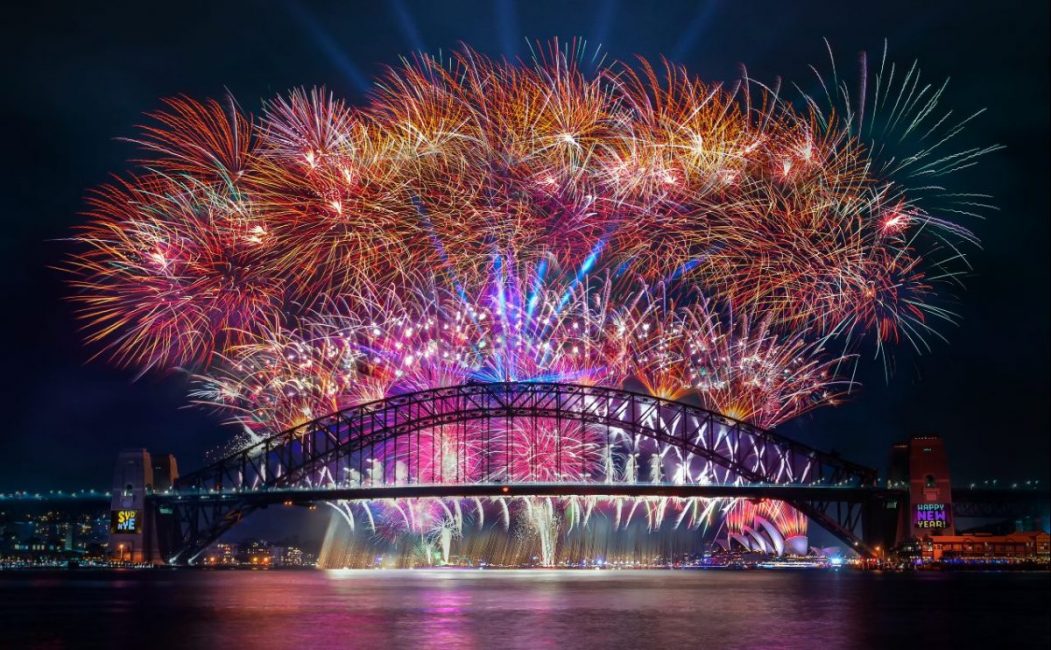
x=521, y=609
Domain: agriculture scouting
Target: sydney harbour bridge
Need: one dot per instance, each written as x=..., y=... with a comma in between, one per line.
x=480, y=440
x=507, y=440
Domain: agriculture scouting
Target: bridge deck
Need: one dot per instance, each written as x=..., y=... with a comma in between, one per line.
x=771, y=491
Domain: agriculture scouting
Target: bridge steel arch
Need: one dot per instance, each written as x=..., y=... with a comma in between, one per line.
x=376, y=445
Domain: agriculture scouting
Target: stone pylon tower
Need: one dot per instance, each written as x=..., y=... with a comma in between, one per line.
x=922, y=465
x=133, y=525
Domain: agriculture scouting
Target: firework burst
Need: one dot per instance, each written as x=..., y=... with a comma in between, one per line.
x=481, y=220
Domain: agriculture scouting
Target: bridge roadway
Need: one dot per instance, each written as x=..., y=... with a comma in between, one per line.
x=260, y=497
x=967, y=502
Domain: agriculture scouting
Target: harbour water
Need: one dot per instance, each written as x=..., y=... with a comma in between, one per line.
x=523, y=609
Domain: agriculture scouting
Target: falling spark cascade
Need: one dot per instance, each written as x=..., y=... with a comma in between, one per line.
x=561, y=219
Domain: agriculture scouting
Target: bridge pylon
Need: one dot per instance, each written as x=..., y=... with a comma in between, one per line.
x=921, y=465
x=139, y=524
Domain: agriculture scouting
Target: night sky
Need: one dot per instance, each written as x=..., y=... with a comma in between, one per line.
x=77, y=79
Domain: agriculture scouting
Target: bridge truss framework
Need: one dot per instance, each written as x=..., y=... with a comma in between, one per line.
x=487, y=437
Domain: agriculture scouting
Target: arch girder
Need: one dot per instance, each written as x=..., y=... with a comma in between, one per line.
x=743, y=451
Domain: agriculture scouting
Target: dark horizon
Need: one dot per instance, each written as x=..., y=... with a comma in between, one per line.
x=76, y=84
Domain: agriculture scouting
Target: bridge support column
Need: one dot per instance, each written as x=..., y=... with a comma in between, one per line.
x=923, y=465
x=137, y=528
x=881, y=522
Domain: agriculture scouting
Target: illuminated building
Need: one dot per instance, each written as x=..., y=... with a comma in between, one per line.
x=256, y=553
x=53, y=536
x=1032, y=545
x=293, y=557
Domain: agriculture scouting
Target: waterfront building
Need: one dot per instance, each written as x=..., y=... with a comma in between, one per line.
x=1033, y=546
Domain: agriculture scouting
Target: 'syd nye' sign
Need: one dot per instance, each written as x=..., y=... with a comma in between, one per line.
x=932, y=515
x=124, y=521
